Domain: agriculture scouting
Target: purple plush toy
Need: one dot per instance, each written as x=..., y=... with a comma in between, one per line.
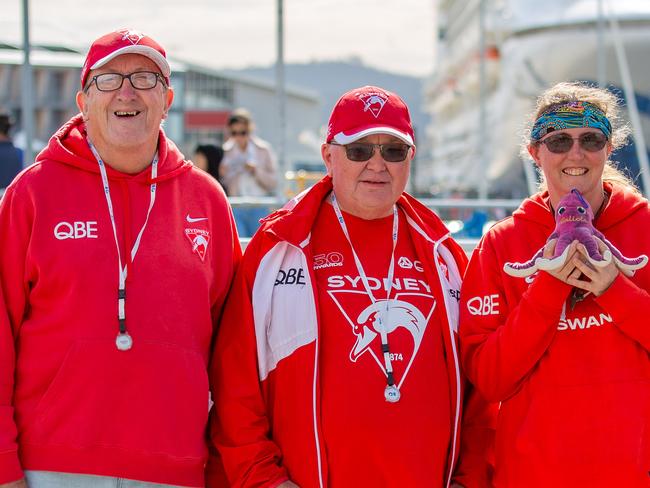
x=573, y=221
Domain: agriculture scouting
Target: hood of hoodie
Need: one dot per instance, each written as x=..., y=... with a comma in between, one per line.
x=294, y=221
x=622, y=203
x=69, y=146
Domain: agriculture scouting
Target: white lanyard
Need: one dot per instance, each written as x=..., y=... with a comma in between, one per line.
x=391, y=393
x=124, y=341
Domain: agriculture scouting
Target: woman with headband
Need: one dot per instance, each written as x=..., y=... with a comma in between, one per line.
x=565, y=351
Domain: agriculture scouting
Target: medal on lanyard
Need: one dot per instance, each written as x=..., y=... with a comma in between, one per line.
x=124, y=341
x=391, y=392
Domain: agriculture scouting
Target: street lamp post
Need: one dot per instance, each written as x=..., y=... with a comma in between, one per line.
x=482, y=139
x=282, y=100
x=27, y=92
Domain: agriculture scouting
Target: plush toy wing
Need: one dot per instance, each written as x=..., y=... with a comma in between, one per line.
x=628, y=266
x=522, y=270
x=573, y=221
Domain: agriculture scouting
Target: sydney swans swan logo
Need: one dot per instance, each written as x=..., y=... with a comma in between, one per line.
x=368, y=321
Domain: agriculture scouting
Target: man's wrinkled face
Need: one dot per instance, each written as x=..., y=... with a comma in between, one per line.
x=125, y=118
x=367, y=189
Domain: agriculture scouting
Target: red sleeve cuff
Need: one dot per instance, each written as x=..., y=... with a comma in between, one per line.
x=278, y=482
x=611, y=299
x=10, y=469
x=548, y=293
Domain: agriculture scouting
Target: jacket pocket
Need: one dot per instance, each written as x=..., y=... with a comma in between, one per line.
x=151, y=399
x=574, y=433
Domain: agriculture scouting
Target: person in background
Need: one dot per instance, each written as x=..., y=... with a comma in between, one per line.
x=248, y=169
x=116, y=255
x=336, y=362
x=11, y=158
x=565, y=351
x=208, y=158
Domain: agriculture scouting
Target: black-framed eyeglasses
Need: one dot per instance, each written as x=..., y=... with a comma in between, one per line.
x=562, y=143
x=392, y=152
x=236, y=133
x=140, y=80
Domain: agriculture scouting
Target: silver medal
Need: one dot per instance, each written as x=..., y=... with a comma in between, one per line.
x=123, y=341
x=392, y=394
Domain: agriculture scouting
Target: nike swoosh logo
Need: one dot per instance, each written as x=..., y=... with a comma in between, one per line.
x=190, y=219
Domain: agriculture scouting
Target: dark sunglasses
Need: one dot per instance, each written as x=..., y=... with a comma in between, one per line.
x=562, y=143
x=239, y=133
x=360, y=152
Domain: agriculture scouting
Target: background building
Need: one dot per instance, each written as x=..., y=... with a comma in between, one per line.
x=204, y=99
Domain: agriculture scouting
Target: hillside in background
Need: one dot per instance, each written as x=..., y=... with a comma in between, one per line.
x=330, y=79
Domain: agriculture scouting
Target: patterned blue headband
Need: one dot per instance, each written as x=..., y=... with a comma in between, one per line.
x=571, y=115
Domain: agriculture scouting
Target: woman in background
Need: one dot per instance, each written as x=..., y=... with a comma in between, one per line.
x=208, y=158
x=249, y=169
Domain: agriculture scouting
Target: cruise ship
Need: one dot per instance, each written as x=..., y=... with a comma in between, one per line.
x=528, y=46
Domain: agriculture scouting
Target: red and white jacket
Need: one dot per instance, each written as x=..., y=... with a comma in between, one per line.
x=69, y=400
x=574, y=384
x=267, y=423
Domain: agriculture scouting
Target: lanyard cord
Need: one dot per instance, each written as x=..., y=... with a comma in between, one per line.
x=123, y=270
x=364, y=279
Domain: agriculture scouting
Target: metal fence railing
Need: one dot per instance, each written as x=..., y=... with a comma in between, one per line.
x=467, y=219
x=456, y=213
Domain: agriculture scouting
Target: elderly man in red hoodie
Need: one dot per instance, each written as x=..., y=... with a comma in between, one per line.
x=115, y=257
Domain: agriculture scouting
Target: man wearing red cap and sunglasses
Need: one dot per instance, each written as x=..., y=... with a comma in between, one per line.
x=115, y=257
x=336, y=362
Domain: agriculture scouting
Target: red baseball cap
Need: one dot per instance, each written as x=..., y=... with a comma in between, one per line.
x=369, y=110
x=124, y=41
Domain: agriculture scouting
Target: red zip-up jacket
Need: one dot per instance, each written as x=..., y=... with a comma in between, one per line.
x=69, y=400
x=267, y=421
x=574, y=384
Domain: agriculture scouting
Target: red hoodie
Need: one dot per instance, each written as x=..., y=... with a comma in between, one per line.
x=69, y=400
x=574, y=384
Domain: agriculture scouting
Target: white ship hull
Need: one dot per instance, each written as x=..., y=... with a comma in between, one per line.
x=523, y=59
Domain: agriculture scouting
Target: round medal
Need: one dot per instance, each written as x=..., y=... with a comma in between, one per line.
x=124, y=341
x=392, y=394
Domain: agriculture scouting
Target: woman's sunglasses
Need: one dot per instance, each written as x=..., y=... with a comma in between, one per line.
x=562, y=143
x=360, y=152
